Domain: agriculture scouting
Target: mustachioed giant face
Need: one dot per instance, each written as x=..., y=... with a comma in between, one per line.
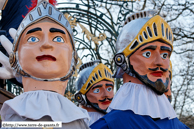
x=150, y=64
x=45, y=50
x=100, y=95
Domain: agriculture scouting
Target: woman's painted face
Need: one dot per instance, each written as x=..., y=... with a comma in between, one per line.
x=150, y=63
x=101, y=94
x=45, y=50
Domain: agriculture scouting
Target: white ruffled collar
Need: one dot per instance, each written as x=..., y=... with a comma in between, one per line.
x=36, y=104
x=142, y=101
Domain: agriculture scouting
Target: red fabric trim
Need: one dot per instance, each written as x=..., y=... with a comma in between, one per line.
x=53, y=2
x=34, y=3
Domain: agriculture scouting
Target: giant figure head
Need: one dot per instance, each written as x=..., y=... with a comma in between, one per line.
x=143, y=48
x=43, y=47
x=95, y=85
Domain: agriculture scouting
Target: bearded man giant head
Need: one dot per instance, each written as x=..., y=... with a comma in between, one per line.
x=95, y=85
x=143, y=48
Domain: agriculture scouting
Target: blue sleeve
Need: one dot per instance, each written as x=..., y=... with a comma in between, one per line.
x=100, y=124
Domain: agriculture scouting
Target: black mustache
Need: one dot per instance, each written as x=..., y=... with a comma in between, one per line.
x=163, y=69
x=110, y=99
x=155, y=69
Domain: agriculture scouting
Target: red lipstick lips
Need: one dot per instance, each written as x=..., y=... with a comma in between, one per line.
x=45, y=57
x=106, y=102
x=157, y=73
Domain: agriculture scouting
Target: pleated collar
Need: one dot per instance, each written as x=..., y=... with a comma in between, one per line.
x=142, y=101
x=36, y=104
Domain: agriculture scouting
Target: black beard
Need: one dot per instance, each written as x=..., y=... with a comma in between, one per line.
x=158, y=86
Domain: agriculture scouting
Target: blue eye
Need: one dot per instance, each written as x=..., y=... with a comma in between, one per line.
x=147, y=54
x=96, y=90
x=33, y=39
x=164, y=55
x=109, y=89
x=58, y=39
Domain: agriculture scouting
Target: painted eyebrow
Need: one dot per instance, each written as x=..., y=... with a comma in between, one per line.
x=34, y=30
x=52, y=30
x=152, y=47
x=165, y=48
x=96, y=86
x=109, y=85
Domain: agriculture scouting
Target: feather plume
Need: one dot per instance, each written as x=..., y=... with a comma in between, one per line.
x=34, y=3
x=53, y=2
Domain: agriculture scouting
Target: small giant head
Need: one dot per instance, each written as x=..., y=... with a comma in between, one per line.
x=100, y=95
x=95, y=85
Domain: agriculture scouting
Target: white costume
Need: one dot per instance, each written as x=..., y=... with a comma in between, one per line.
x=142, y=101
x=44, y=106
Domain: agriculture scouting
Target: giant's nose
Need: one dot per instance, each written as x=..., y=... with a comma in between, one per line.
x=105, y=93
x=46, y=45
x=158, y=61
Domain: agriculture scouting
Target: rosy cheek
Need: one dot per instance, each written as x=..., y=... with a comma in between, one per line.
x=92, y=97
x=97, y=97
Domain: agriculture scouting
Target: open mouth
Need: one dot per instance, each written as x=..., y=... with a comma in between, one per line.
x=106, y=102
x=157, y=73
x=45, y=57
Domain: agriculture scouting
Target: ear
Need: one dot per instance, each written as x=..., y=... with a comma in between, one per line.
x=122, y=61
x=80, y=99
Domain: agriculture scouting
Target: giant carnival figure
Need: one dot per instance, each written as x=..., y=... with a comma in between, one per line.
x=44, y=55
x=143, y=54
x=95, y=89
